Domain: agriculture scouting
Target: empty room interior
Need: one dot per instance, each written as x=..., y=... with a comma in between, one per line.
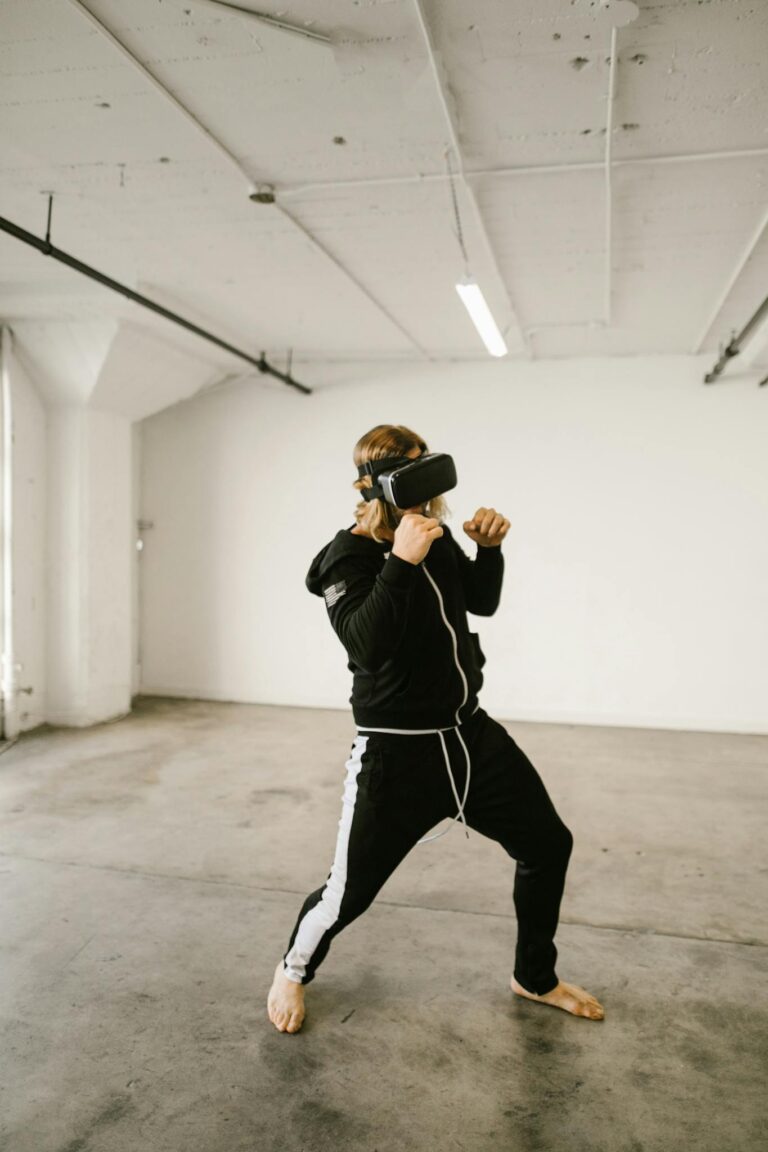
x=383, y=553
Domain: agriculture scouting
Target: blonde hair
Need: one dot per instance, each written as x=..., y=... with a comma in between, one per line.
x=377, y=517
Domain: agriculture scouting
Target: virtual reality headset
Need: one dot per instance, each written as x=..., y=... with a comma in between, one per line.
x=405, y=482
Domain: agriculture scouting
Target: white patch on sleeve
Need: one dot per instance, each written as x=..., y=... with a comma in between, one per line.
x=335, y=592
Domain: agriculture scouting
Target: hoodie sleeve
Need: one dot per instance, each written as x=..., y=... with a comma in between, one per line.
x=369, y=611
x=481, y=579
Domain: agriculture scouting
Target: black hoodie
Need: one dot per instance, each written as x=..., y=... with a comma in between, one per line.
x=404, y=626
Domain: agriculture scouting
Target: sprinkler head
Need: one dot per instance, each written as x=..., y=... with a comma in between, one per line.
x=261, y=193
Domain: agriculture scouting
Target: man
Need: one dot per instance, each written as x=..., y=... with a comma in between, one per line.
x=397, y=588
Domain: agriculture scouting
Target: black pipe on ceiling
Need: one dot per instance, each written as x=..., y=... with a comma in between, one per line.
x=48, y=249
x=734, y=345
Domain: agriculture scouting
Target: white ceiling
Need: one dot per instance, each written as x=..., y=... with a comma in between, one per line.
x=358, y=258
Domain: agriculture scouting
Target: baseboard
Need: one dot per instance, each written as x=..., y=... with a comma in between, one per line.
x=508, y=713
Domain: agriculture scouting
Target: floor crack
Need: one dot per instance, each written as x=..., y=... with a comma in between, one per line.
x=640, y=929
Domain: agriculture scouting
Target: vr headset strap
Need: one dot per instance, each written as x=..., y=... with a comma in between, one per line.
x=373, y=468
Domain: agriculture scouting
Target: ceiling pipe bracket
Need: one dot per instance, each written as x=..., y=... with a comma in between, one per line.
x=47, y=249
x=734, y=345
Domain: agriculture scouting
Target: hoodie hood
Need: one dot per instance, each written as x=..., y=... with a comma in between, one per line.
x=343, y=544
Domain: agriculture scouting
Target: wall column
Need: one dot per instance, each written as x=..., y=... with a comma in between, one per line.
x=90, y=543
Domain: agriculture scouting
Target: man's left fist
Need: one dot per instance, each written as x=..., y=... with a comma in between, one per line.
x=487, y=528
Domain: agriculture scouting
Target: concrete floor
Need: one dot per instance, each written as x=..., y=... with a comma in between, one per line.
x=151, y=871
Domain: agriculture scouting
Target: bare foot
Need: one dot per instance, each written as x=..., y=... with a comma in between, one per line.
x=567, y=996
x=285, y=1005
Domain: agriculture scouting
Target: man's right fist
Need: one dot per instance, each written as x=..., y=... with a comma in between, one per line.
x=414, y=536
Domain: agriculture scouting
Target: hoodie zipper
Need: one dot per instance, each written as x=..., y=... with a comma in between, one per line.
x=453, y=638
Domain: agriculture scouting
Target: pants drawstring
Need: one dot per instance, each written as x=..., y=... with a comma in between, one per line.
x=460, y=803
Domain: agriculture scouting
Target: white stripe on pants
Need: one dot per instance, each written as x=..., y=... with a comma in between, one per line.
x=326, y=912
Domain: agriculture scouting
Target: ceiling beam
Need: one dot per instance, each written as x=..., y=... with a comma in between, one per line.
x=247, y=178
x=158, y=87
x=754, y=328
x=456, y=147
x=731, y=281
x=354, y=280
x=271, y=21
x=525, y=170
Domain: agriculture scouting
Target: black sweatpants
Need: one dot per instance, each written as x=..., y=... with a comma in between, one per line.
x=397, y=788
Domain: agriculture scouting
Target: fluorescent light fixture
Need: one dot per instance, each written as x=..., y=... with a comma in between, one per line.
x=480, y=315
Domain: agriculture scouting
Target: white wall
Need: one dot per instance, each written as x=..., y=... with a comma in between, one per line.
x=636, y=562
x=29, y=546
